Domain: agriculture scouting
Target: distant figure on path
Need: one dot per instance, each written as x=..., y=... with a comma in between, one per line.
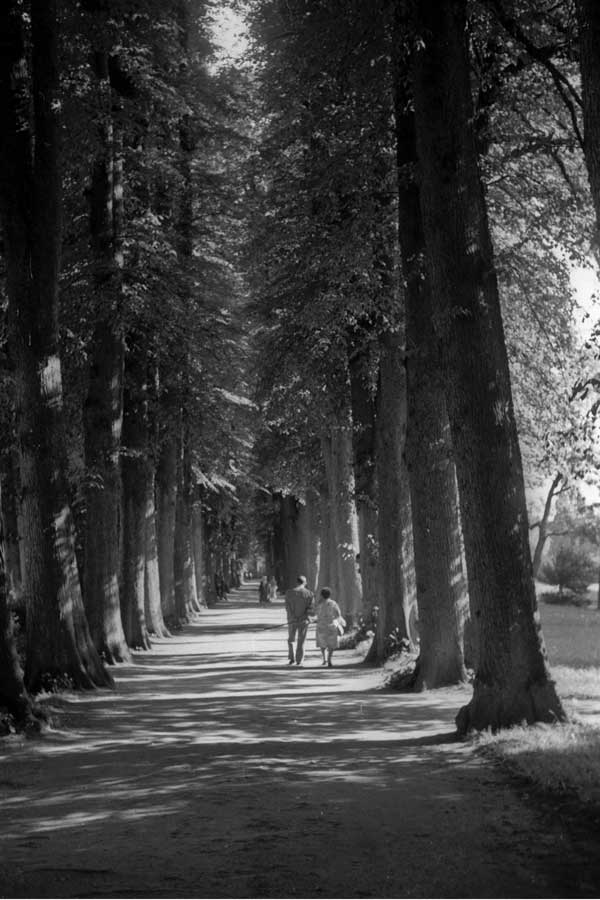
x=330, y=624
x=272, y=589
x=263, y=591
x=298, y=606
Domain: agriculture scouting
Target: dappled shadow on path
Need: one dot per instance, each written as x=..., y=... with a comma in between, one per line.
x=216, y=770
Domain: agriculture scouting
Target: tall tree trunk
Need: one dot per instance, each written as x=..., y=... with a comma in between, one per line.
x=152, y=596
x=327, y=577
x=58, y=640
x=186, y=602
x=294, y=556
x=512, y=682
x=166, y=498
x=136, y=461
x=103, y=411
x=199, y=547
x=9, y=483
x=13, y=694
x=588, y=15
x=394, y=526
x=363, y=446
x=310, y=528
x=344, y=526
x=442, y=598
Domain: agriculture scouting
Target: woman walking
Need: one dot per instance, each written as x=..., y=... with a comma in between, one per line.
x=330, y=624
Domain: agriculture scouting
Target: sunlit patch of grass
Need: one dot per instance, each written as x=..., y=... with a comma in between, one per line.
x=580, y=683
x=556, y=758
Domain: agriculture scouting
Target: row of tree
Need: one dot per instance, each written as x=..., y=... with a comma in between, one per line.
x=120, y=451
x=420, y=178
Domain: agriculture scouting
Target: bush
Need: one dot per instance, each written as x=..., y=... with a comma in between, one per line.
x=571, y=568
x=566, y=598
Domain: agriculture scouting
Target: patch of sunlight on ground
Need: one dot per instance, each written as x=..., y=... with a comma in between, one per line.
x=577, y=682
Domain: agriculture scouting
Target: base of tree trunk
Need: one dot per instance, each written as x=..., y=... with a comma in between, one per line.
x=493, y=707
x=436, y=675
x=22, y=715
x=114, y=653
x=372, y=657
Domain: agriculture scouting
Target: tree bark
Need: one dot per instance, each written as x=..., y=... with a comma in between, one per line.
x=199, y=547
x=152, y=596
x=58, y=640
x=13, y=693
x=542, y=525
x=442, y=597
x=166, y=493
x=184, y=572
x=310, y=529
x=588, y=15
x=103, y=411
x=135, y=462
x=294, y=557
x=337, y=452
x=394, y=527
x=363, y=445
x=512, y=682
x=9, y=485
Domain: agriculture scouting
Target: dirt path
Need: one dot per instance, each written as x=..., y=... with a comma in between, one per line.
x=216, y=771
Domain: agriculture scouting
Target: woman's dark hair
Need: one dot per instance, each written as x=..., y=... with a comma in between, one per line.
x=325, y=593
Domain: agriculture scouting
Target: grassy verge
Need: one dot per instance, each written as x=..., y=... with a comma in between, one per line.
x=562, y=759
x=559, y=759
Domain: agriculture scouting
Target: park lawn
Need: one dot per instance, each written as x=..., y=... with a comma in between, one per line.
x=572, y=634
x=563, y=759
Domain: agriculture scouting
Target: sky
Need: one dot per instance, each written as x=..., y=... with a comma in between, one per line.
x=229, y=33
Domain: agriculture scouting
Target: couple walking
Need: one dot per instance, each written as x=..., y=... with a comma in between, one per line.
x=299, y=606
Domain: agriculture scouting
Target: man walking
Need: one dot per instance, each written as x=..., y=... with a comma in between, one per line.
x=298, y=606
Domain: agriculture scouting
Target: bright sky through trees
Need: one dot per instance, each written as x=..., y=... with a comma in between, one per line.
x=229, y=33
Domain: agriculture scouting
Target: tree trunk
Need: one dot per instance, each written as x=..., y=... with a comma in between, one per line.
x=103, y=411
x=58, y=640
x=135, y=463
x=294, y=557
x=13, y=694
x=588, y=15
x=442, y=598
x=363, y=445
x=152, y=596
x=186, y=602
x=542, y=525
x=199, y=547
x=394, y=528
x=310, y=529
x=166, y=493
x=344, y=526
x=512, y=682
x=9, y=484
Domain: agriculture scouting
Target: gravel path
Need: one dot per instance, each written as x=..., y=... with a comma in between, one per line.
x=214, y=770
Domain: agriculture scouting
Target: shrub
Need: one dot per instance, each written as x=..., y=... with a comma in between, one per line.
x=570, y=568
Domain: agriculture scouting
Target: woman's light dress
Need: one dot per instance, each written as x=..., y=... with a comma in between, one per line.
x=328, y=636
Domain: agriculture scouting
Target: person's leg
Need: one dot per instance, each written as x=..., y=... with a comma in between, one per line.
x=329, y=655
x=302, y=631
x=291, y=637
x=324, y=655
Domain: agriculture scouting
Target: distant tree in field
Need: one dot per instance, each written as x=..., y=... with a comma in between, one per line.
x=570, y=567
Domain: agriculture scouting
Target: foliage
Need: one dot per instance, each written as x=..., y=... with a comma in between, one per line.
x=570, y=567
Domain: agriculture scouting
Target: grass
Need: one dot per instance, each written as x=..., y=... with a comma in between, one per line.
x=561, y=759
x=572, y=634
